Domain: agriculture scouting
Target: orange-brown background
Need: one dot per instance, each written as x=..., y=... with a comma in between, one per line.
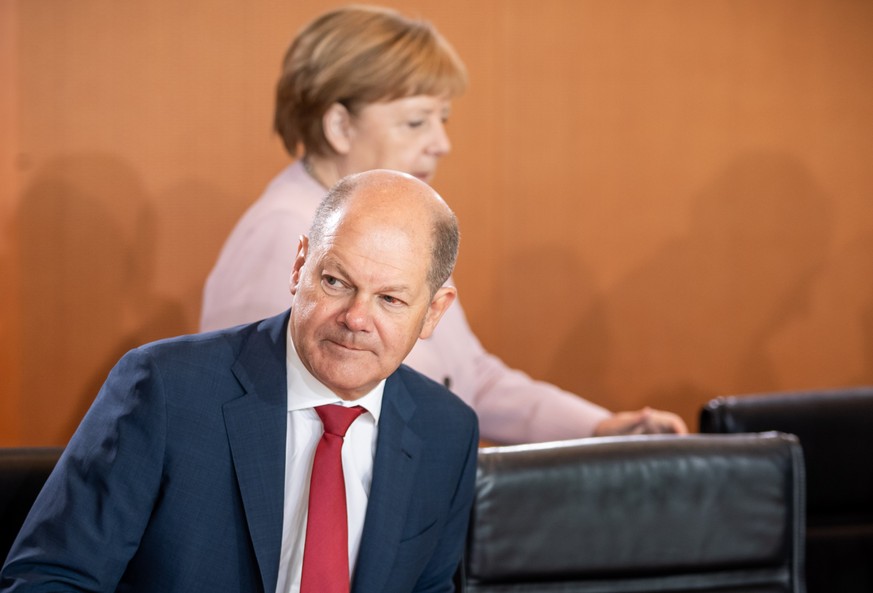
x=661, y=201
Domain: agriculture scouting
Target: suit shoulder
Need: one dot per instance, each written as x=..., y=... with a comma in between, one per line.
x=430, y=393
x=186, y=345
x=209, y=346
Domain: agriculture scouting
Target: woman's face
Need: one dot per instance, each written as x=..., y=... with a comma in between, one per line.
x=407, y=134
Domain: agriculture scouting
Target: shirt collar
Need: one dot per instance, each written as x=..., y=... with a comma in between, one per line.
x=305, y=391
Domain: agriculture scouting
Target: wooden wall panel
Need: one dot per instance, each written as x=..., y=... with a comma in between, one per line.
x=660, y=201
x=10, y=376
x=684, y=201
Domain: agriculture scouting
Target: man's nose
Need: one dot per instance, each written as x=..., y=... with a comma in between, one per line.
x=357, y=316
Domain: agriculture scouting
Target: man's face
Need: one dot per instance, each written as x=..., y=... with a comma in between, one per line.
x=406, y=135
x=361, y=300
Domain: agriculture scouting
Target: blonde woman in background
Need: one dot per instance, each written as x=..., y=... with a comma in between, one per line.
x=367, y=88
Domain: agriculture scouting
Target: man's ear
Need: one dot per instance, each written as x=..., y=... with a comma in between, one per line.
x=439, y=304
x=337, y=128
x=299, y=260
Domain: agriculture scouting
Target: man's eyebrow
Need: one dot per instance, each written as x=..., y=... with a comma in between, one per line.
x=399, y=289
x=331, y=266
x=334, y=262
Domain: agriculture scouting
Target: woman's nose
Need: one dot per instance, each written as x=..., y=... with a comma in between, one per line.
x=440, y=143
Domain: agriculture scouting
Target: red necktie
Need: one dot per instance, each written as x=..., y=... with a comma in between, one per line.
x=326, y=551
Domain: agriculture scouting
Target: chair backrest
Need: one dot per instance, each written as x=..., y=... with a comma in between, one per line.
x=835, y=428
x=701, y=513
x=23, y=471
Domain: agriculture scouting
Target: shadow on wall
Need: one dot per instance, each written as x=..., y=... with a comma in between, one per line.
x=550, y=272
x=87, y=231
x=697, y=318
x=833, y=345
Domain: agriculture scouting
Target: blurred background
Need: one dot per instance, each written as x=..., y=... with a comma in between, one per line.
x=661, y=201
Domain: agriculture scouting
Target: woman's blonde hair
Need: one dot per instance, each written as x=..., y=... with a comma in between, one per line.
x=354, y=56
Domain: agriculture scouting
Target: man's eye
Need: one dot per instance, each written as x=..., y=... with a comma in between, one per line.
x=416, y=123
x=331, y=281
x=391, y=300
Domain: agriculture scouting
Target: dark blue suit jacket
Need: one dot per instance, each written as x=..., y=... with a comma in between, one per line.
x=174, y=481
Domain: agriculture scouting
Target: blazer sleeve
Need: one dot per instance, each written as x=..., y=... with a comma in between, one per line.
x=448, y=555
x=88, y=520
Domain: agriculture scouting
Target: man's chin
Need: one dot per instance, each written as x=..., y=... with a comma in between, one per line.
x=346, y=382
x=350, y=392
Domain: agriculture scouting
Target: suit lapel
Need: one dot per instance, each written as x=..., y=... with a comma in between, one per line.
x=256, y=424
x=397, y=457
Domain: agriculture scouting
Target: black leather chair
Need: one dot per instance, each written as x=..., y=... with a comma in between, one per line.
x=835, y=428
x=709, y=513
x=23, y=471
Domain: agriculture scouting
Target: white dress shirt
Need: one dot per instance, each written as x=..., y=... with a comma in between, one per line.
x=302, y=436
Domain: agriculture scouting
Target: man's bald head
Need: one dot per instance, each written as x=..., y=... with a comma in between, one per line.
x=391, y=197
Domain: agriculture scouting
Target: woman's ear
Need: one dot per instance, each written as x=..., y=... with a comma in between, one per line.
x=337, y=128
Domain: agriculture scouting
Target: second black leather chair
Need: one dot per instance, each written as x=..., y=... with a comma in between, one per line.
x=835, y=428
x=700, y=513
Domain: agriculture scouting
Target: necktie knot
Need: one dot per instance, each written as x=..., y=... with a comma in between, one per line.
x=337, y=419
